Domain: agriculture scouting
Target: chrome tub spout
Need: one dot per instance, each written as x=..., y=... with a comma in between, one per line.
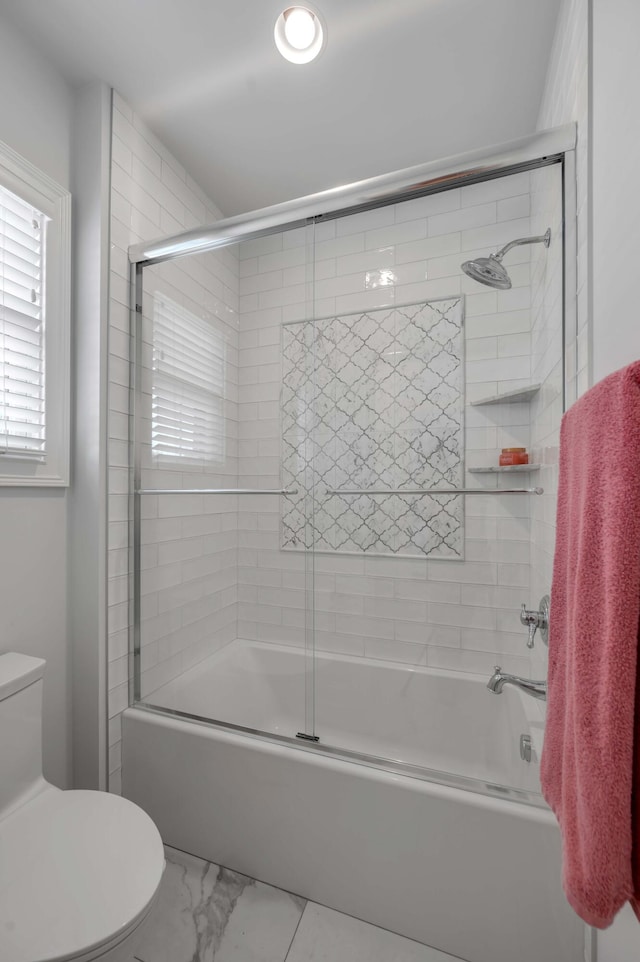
x=537, y=689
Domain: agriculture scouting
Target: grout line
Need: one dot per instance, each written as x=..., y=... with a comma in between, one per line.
x=381, y=928
x=293, y=937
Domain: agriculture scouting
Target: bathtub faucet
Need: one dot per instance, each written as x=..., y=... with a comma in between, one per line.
x=537, y=689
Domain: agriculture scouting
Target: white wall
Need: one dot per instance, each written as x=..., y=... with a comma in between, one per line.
x=615, y=184
x=35, y=120
x=620, y=943
x=36, y=106
x=615, y=148
x=87, y=496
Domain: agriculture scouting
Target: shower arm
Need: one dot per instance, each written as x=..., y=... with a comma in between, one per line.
x=541, y=239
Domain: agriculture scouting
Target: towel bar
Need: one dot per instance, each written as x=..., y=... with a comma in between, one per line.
x=216, y=491
x=432, y=491
x=375, y=492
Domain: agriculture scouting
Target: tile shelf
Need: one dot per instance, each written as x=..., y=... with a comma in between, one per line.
x=517, y=396
x=509, y=469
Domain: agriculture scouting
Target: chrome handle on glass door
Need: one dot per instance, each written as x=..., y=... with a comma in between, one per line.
x=536, y=620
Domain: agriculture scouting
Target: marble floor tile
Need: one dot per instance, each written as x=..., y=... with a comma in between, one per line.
x=205, y=913
x=327, y=936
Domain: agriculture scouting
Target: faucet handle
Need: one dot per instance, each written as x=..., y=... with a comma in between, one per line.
x=497, y=669
x=531, y=620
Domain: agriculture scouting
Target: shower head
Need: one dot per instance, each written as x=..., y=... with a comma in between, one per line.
x=490, y=270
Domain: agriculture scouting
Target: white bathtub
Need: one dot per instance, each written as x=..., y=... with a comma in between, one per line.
x=455, y=858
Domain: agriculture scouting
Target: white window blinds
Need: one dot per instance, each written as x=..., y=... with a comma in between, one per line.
x=188, y=385
x=22, y=401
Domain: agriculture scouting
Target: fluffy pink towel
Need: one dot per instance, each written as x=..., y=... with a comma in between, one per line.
x=591, y=758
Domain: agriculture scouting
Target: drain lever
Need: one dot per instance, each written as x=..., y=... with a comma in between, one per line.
x=525, y=748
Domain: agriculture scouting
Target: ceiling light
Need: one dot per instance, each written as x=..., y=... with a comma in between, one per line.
x=298, y=34
x=300, y=28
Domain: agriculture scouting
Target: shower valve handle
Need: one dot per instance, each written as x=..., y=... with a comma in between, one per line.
x=533, y=620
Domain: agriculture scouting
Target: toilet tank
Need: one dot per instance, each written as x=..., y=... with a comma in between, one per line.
x=20, y=728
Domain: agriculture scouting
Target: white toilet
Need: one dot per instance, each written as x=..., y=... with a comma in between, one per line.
x=79, y=870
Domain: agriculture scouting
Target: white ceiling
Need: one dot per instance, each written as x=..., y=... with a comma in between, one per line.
x=400, y=82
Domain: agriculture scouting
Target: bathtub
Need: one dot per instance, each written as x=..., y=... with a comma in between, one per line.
x=414, y=810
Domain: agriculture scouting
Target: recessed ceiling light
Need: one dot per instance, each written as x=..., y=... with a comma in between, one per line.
x=298, y=34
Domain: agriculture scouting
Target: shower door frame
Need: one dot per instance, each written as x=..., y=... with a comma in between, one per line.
x=544, y=149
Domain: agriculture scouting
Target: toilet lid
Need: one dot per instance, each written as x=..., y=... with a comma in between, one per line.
x=77, y=869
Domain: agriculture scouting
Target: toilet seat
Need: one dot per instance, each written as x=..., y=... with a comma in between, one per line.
x=78, y=871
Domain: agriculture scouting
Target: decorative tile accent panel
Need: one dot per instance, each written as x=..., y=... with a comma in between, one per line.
x=374, y=400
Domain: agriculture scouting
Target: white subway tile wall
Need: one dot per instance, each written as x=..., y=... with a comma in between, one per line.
x=189, y=546
x=408, y=610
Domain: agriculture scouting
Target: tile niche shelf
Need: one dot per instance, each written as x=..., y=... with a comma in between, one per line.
x=516, y=396
x=508, y=469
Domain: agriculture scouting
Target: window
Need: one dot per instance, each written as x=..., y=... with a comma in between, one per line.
x=22, y=410
x=34, y=325
x=187, y=420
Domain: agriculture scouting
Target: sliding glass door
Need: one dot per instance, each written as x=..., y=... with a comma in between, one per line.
x=328, y=548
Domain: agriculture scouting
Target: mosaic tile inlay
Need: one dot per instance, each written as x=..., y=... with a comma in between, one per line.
x=374, y=400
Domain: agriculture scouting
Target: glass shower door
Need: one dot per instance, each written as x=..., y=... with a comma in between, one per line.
x=390, y=395
x=308, y=564
x=298, y=420
x=224, y=617
x=418, y=585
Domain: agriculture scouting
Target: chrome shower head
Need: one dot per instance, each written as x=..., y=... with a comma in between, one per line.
x=490, y=270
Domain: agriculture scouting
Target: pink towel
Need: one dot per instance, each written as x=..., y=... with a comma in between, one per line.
x=591, y=758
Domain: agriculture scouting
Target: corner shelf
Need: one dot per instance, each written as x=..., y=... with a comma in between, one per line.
x=510, y=397
x=509, y=469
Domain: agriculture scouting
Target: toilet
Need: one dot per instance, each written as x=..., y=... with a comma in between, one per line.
x=79, y=870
